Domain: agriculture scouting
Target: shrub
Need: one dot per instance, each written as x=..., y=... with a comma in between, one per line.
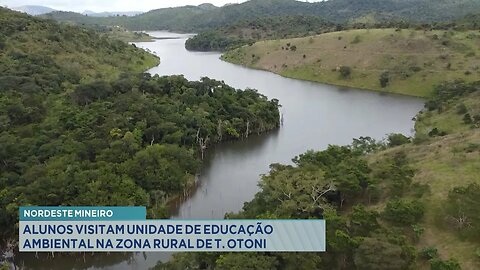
x=470, y=54
x=461, y=209
x=462, y=109
x=396, y=139
x=476, y=118
x=345, y=72
x=467, y=119
x=438, y=264
x=429, y=253
x=415, y=68
x=436, y=132
x=384, y=79
x=403, y=212
x=356, y=40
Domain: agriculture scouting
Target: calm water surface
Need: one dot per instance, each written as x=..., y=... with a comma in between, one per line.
x=315, y=115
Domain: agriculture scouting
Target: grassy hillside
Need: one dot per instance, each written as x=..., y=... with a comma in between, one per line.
x=445, y=155
x=406, y=203
x=47, y=48
x=409, y=62
x=205, y=17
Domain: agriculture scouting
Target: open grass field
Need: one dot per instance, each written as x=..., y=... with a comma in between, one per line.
x=413, y=61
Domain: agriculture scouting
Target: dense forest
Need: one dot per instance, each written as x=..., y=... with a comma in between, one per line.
x=208, y=17
x=250, y=31
x=381, y=200
x=81, y=124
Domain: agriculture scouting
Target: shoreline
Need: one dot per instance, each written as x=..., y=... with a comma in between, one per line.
x=323, y=82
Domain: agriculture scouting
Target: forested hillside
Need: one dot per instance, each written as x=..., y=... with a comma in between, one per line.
x=81, y=124
x=250, y=31
x=405, y=203
x=207, y=17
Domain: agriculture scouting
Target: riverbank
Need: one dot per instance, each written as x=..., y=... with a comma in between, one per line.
x=408, y=62
x=418, y=193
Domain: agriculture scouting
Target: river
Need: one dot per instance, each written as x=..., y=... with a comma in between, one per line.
x=315, y=115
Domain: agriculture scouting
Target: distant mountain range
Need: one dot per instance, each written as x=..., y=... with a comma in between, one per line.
x=41, y=10
x=207, y=16
x=34, y=10
x=110, y=14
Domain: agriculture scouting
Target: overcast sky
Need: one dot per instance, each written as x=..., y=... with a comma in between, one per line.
x=112, y=5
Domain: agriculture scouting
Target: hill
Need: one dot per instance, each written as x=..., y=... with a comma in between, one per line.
x=408, y=61
x=111, y=31
x=82, y=124
x=201, y=18
x=34, y=10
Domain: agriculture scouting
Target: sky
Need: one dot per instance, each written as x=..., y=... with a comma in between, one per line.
x=111, y=5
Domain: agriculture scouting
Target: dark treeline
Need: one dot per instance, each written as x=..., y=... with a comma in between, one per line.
x=81, y=125
x=208, y=17
x=250, y=31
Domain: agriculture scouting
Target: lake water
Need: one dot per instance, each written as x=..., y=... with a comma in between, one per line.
x=315, y=115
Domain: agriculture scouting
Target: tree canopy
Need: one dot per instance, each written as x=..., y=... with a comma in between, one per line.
x=80, y=124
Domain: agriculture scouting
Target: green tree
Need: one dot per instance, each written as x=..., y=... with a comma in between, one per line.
x=363, y=222
x=384, y=79
x=403, y=212
x=396, y=139
x=164, y=167
x=345, y=72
